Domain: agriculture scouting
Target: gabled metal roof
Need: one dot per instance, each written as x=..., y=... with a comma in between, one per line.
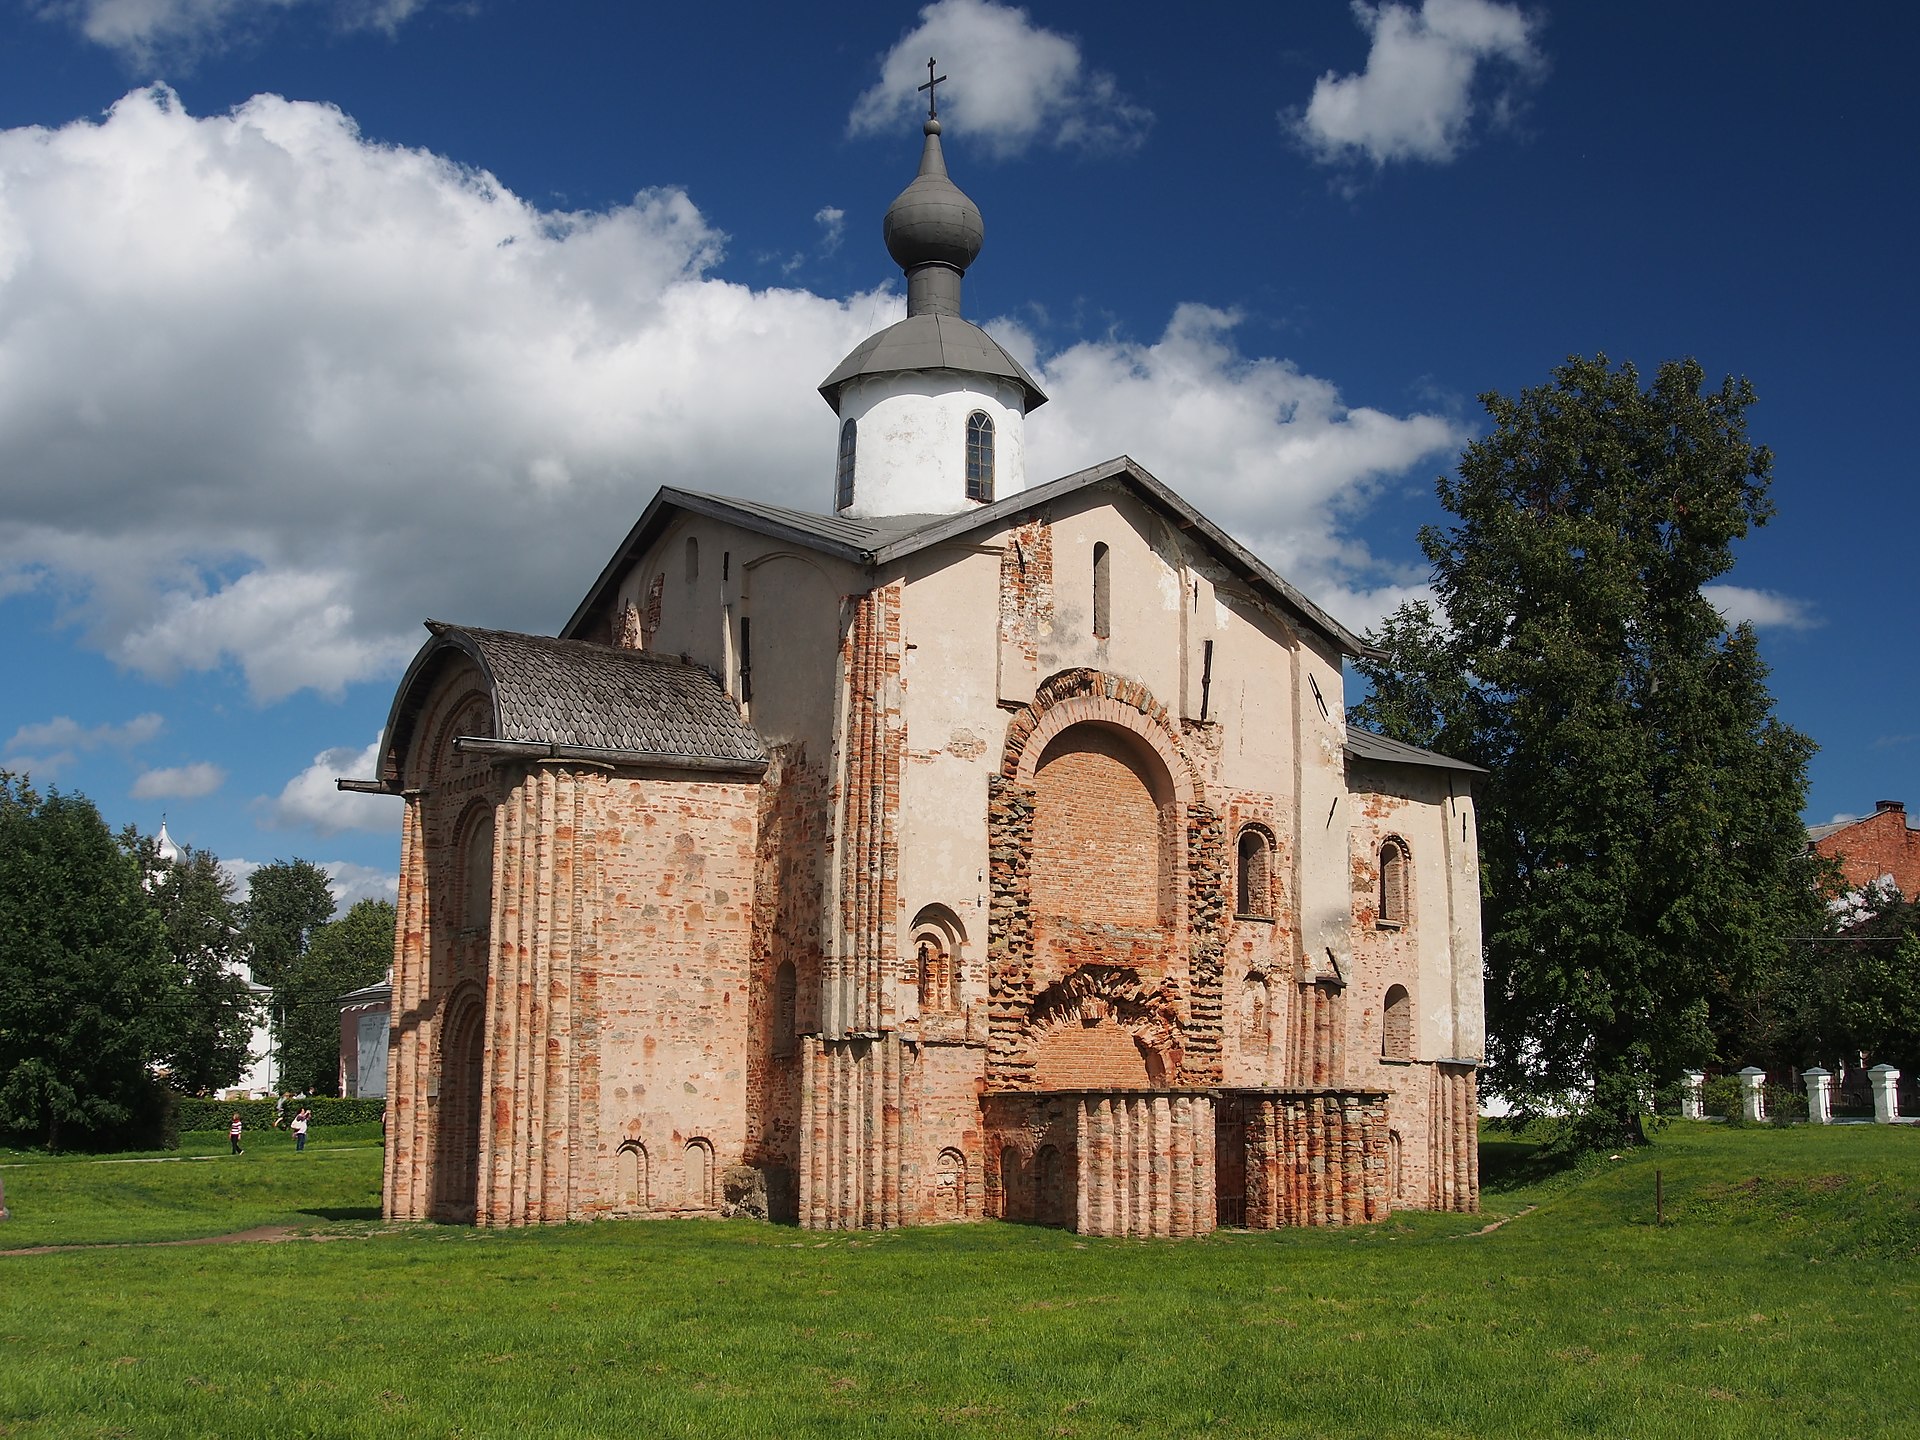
x=1365, y=745
x=882, y=541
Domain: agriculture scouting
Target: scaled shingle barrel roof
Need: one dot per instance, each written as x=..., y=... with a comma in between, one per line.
x=579, y=696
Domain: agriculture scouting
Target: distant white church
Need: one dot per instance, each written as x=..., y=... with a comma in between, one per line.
x=262, y=1073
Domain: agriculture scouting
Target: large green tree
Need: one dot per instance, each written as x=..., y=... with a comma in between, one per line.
x=89, y=997
x=194, y=899
x=345, y=954
x=1640, y=824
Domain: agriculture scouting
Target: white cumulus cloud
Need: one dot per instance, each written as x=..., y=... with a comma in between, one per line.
x=308, y=390
x=1762, y=609
x=179, y=782
x=351, y=883
x=1430, y=73
x=347, y=881
x=1011, y=83
x=1270, y=453
x=47, y=747
x=311, y=799
x=145, y=31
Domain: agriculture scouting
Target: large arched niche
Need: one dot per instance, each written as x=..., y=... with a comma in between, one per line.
x=1103, y=830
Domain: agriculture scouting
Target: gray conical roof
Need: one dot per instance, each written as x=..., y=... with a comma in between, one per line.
x=932, y=222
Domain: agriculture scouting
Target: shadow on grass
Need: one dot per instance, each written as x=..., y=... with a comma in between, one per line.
x=1518, y=1159
x=343, y=1212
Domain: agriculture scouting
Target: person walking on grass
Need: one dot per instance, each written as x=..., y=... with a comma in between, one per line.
x=300, y=1129
x=279, y=1110
x=233, y=1133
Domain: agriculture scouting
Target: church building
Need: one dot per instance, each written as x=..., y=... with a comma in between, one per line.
x=978, y=849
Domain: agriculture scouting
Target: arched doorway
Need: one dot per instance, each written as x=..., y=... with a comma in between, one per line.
x=456, y=1114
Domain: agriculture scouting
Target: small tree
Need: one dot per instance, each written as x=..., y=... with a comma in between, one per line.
x=286, y=902
x=350, y=952
x=1640, y=822
x=89, y=998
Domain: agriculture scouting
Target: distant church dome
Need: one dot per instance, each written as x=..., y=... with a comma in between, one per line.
x=931, y=409
x=164, y=850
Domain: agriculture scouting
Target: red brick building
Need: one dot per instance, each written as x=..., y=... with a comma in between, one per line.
x=976, y=850
x=1874, y=845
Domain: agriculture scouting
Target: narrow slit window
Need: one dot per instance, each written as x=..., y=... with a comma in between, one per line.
x=746, y=660
x=843, y=469
x=1102, y=592
x=980, y=456
x=693, y=559
x=786, y=996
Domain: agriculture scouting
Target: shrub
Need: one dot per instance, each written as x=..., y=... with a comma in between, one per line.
x=198, y=1114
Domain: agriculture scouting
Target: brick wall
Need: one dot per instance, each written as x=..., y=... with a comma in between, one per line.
x=1880, y=844
x=790, y=880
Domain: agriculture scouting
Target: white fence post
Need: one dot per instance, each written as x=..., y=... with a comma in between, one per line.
x=1693, y=1105
x=1819, y=1095
x=1886, y=1093
x=1752, y=1103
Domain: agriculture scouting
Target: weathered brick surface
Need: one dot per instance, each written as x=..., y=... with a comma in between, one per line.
x=1875, y=845
x=791, y=875
x=667, y=978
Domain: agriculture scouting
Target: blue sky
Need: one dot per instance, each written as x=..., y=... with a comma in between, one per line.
x=320, y=317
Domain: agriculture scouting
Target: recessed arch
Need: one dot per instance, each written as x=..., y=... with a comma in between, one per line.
x=1072, y=697
x=937, y=942
x=475, y=904
x=950, y=1185
x=632, y=1195
x=697, y=1164
x=1253, y=873
x=1106, y=835
x=1393, y=905
x=1396, y=1024
x=460, y=1063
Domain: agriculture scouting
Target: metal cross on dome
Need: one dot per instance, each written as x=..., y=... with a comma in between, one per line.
x=933, y=108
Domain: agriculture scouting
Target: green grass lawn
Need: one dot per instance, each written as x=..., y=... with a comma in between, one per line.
x=1779, y=1299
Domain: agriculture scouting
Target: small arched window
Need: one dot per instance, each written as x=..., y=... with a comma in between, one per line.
x=1396, y=1025
x=843, y=469
x=1254, y=893
x=693, y=559
x=1102, y=592
x=980, y=456
x=1393, y=883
